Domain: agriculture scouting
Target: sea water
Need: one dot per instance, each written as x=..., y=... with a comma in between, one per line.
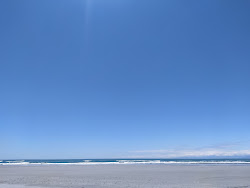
x=125, y=161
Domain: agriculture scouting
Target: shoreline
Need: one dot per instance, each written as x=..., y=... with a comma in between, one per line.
x=37, y=162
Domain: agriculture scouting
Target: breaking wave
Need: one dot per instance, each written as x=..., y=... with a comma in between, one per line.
x=124, y=162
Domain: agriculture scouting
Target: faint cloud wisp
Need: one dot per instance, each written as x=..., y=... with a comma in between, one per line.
x=213, y=151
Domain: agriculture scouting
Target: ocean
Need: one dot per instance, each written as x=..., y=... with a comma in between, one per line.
x=126, y=161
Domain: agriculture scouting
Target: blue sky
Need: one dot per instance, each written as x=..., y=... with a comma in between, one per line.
x=127, y=78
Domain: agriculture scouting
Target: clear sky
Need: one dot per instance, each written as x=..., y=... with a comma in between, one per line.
x=124, y=78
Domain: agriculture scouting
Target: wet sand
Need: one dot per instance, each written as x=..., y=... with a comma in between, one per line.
x=121, y=176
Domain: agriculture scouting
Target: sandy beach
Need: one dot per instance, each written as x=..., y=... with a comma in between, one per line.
x=121, y=176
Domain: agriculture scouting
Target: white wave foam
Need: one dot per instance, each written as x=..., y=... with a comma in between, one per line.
x=138, y=161
x=15, y=163
x=124, y=162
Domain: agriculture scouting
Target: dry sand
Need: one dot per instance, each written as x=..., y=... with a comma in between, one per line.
x=121, y=176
